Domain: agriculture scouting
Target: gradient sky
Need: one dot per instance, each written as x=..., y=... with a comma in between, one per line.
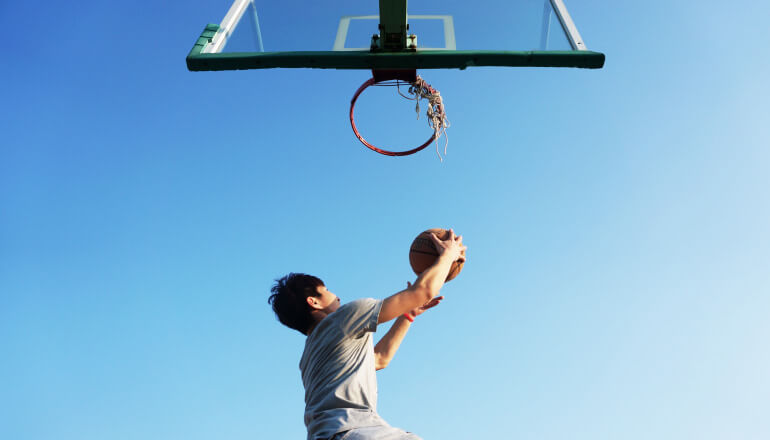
x=618, y=274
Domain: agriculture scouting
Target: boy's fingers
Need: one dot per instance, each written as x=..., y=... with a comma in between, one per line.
x=434, y=302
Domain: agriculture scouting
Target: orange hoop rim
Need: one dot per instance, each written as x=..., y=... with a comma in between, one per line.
x=364, y=86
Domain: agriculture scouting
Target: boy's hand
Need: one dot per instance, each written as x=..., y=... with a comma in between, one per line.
x=430, y=304
x=452, y=246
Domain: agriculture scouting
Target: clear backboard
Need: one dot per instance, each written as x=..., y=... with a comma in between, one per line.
x=392, y=34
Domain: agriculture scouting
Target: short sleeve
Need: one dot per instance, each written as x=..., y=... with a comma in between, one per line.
x=359, y=316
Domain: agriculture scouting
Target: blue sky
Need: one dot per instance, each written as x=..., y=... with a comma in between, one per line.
x=617, y=283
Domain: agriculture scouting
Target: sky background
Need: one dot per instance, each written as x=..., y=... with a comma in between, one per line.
x=617, y=283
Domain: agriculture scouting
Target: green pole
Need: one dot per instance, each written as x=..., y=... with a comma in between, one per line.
x=393, y=25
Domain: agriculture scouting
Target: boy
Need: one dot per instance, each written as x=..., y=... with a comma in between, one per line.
x=339, y=361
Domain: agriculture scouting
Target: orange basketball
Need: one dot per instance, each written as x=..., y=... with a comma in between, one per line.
x=423, y=253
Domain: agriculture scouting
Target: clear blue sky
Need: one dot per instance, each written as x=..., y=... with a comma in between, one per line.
x=617, y=283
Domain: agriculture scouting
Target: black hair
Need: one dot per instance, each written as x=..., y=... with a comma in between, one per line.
x=289, y=300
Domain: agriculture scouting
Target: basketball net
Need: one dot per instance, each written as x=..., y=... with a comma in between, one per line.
x=418, y=89
x=437, y=119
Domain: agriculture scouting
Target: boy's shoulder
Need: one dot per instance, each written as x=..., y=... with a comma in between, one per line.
x=359, y=304
x=351, y=318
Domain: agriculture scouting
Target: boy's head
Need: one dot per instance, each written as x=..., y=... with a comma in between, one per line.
x=294, y=298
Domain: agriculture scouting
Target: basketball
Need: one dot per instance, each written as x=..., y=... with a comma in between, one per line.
x=423, y=253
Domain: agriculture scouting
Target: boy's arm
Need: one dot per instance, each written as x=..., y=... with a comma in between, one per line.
x=388, y=345
x=428, y=284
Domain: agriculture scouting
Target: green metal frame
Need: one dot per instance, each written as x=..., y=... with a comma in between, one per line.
x=438, y=59
x=393, y=26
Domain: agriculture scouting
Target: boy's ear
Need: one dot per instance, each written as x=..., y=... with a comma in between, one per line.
x=312, y=302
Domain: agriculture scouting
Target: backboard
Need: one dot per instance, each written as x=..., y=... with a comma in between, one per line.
x=392, y=34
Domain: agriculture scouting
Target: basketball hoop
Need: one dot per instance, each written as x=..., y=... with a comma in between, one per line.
x=420, y=90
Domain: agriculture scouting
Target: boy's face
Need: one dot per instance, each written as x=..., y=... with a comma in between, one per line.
x=325, y=301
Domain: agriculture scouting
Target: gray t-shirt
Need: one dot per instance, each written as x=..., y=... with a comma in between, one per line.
x=338, y=371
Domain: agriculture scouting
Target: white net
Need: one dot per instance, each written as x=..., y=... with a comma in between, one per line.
x=436, y=115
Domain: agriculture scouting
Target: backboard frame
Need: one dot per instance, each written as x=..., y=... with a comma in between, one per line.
x=206, y=53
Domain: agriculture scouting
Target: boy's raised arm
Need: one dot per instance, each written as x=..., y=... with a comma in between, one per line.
x=429, y=283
